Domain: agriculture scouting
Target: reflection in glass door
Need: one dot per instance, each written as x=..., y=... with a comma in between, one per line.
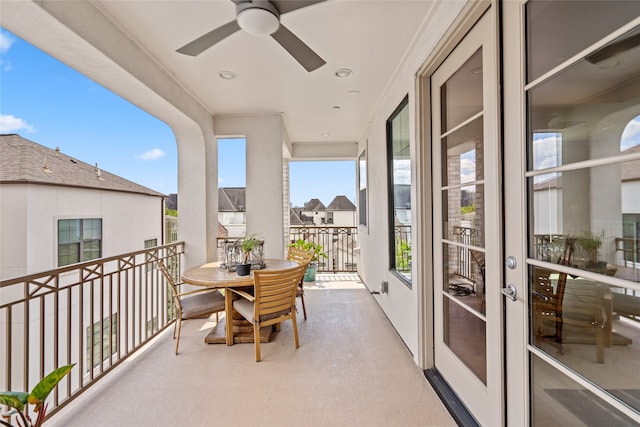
x=583, y=182
x=466, y=224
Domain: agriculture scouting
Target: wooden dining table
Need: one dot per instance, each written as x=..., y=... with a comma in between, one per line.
x=234, y=328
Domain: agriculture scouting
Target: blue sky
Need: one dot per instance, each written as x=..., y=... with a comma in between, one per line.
x=49, y=103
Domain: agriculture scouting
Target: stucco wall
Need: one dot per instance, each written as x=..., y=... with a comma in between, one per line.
x=265, y=137
x=127, y=221
x=401, y=303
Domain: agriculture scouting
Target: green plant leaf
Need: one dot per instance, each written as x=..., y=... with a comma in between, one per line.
x=44, y=387
x=14, y=399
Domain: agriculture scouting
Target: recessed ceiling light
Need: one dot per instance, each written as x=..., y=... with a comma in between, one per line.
x=354, y=92
x=325, y=134
x=337, y=107
x=227, y=75
x=343, y=72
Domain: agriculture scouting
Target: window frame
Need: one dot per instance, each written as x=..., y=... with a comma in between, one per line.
x=362, y=189
x=391, y=202
x=80, y=242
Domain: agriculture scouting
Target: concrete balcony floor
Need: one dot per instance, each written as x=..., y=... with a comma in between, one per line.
x=351, y=369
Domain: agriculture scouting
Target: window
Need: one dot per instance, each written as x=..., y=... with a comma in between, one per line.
x=150, y=244
x=232, y=182
x=399, y=173
x=79, y=240
x=362, y=187
x=102, y=339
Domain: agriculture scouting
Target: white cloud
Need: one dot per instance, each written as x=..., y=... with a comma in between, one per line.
x=12, y=124
x=156, y=153
x=631, y=135
x=467, y=170
x=6, y=66
x=402, y=171
x=546, y=150
x=5, y=42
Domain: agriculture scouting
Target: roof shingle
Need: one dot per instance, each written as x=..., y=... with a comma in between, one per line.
x=25, y=161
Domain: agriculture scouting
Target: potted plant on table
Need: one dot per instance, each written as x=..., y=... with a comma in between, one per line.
x=310, y=274
x=590, y=242
x=247, y=244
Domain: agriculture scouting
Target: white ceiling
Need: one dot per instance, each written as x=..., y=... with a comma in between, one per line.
x=369, y=37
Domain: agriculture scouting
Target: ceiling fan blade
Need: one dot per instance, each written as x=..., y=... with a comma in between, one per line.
x=296, y=47
x=285, y=6
x=203, y=43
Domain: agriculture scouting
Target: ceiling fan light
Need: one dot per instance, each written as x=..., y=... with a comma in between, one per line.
x=258, y=21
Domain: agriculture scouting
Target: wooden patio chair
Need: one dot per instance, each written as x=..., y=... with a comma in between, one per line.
x=302, y=257
x=193, y=304
x=273, y=302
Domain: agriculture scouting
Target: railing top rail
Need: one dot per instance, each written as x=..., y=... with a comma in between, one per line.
x=81, y=265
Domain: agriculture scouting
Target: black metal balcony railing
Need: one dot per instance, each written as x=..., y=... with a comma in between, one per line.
x=402, y=235
x=337, y=242
x=465, y=264
x=94, y=314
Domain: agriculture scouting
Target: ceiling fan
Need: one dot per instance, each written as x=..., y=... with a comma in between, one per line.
x=262, y=17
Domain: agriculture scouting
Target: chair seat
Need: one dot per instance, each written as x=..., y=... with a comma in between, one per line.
x=202, y=304
x=245, y=308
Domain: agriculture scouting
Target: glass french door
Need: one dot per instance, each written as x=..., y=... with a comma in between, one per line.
x=571, y=196
x=468, y=349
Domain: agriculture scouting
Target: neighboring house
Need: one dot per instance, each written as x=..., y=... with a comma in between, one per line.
x=170, y=229
x=232, y=210
x=341, y=212
x=402, y=208
x=172, y=201
x=548, y=214
x=314, y=209
x=56, y=210
x=298, y=219
x=630, y=176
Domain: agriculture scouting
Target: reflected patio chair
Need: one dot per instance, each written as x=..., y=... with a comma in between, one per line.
x=273, y=302
x=581, y=305
x=302, y=257
x=479, y=259
x=193, y=304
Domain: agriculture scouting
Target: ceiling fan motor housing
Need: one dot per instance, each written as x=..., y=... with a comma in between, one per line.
x=258, y=17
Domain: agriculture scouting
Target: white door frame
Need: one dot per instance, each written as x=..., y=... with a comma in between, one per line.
x=485, y=401
x=515, y=221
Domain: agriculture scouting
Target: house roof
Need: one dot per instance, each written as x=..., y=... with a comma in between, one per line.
x=294, y=218
x=314, y=205
x=232, y=199
x=341, y=203
x=25, y=161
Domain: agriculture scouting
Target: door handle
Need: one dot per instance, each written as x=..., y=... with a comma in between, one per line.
x=510, y=292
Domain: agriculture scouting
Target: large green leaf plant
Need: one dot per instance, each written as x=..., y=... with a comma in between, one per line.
x=19, y=400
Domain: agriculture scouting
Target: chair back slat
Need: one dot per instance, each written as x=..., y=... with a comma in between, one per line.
x=275, y=291
x=299, y=255
x=171, y=283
